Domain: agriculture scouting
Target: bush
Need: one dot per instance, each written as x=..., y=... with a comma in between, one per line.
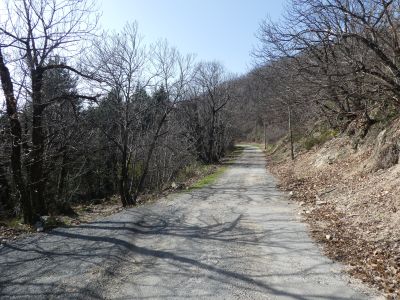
x=188, y=171
x=320, y=138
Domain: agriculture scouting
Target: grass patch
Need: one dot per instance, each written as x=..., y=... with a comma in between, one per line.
x=209, y=179
x=192, y=171
x=258, y=145
x=254, y=144
x=199, y=175
x=12, y=222
x=270, y=148
x=11, y=228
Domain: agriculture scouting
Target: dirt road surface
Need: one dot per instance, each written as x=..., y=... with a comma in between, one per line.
x=239, y=238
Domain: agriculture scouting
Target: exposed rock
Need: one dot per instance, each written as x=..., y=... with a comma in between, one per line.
x=39, y=226
x=386, y=152
x=44, y=219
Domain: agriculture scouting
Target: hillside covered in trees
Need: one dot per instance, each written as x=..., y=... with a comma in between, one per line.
x=89, y=114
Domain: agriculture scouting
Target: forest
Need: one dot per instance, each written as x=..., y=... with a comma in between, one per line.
x=89, y=114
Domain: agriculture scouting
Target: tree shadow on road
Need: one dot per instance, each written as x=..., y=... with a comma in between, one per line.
x=50, y=264
x=163, y=241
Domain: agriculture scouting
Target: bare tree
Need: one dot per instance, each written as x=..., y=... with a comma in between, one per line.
x=349, y=49
x=173, y=74
x=16, y=136
x=119, y=60
x=212, y=92
x=35, y=32
x=138, y=132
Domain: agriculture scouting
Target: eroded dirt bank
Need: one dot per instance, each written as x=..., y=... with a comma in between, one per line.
x=353, y=210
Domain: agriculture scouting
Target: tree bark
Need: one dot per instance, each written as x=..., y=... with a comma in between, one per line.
x=5, y=199
x=211, y=156
x=16, y=135
x=62, y=176
x=290, y=132
x=149, y=156
x=265, y=135
x=124, y=193
x=36, y=176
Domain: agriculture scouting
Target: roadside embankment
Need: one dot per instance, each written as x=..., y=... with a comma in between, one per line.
x=349, y=194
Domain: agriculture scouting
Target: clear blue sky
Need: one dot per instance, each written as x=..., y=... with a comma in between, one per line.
x=222, y=30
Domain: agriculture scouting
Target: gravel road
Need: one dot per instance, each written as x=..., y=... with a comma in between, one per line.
x=239, y=238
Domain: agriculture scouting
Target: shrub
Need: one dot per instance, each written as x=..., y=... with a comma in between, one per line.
x=320, y=138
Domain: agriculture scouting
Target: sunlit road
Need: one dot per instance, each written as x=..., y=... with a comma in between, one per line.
x=237, y=239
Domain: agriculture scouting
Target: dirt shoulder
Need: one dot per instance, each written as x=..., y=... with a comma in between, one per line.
x=354, y=213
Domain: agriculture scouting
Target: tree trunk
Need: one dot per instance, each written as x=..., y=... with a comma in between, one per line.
x=124, y=189
x=123, y=186
x=149, y=156
x=265, y=135
x=290, y=132
x=36, y=176
x=5, y=199
x=16, y=135
x=211, y=157
x=61, y=178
